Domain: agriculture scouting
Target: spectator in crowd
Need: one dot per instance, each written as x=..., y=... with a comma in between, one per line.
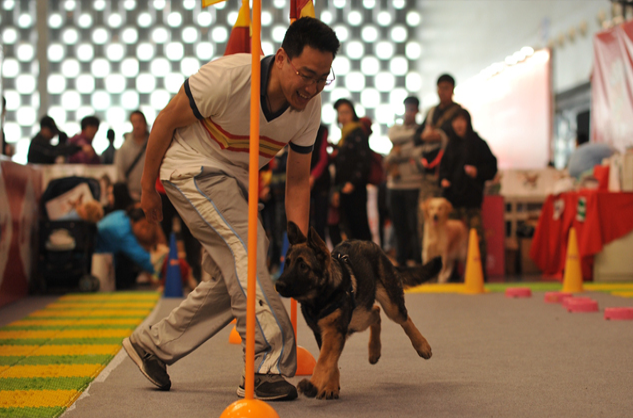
x=352, y=169
x=107, y=157
x=89, y=128
x=41, y=151
x=118, y=198
x=320, y=182
x=432, y=138
x=124, y=233
x=403, y=185
x=467, y=164
x=130, y=158
x=196, y=149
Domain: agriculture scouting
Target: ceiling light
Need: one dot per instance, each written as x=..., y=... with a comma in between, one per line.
x=85, y=52
x=129, y=67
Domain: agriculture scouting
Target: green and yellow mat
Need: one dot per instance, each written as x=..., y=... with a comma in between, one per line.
x=50, y=357
x=616, y=289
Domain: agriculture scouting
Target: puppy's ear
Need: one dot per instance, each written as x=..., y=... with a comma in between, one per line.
x=295, y=236
x=449, y=206
x=425, y=208
x=318, y=245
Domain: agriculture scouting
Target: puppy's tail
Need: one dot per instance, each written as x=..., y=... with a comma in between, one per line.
x=413, y=276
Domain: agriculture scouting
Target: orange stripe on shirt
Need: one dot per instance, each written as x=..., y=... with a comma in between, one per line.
x=268, y=147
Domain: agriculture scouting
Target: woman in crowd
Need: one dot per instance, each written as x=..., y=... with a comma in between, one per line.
x=467, y=164
x=352, y=164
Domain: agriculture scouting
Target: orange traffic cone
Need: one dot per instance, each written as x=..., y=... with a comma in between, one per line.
x=234, y=337
x=572, y=281
x=474, y=281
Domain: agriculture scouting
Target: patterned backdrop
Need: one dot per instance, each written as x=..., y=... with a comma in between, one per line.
x=111, y=57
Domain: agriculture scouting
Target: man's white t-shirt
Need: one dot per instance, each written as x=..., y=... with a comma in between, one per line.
x=219, y=95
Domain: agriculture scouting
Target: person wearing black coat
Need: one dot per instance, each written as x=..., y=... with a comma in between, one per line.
x=352, y=164
x=465, y=167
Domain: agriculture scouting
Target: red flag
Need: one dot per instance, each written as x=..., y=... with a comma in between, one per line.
x=301, y=8
x=240, y=39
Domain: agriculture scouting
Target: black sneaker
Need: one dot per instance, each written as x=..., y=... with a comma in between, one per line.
x=270, y=387
x=150, y=365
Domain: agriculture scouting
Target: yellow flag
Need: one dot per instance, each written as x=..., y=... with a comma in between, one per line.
x=206, y=3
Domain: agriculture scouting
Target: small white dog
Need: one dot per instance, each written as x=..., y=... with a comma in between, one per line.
x=443, y=237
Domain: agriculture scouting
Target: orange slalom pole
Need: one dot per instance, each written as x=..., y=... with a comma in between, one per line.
x=253, y=179
x=293, y=316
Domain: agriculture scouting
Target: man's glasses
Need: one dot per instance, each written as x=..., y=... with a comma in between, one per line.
x=308, y=80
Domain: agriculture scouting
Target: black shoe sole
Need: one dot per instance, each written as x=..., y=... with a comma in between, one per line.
x=133, y=354
x=241, y=392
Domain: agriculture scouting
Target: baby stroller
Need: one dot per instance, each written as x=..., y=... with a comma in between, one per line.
x=66, y=246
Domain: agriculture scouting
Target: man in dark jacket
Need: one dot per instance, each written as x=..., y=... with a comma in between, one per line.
x=467, y=164
x=41, y=151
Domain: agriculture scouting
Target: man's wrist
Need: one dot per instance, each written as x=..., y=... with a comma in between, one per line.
x=148, y=185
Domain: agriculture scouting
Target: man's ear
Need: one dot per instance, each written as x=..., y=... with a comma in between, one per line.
x=280, y=57
x=295, y=236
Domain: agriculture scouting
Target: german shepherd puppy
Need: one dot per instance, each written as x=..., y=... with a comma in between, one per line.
x=338, y=292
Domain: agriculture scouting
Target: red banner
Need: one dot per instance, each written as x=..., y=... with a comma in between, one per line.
x=20, y=192
x=612, y=87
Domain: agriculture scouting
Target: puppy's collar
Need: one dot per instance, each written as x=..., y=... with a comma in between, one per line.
x=340, y=298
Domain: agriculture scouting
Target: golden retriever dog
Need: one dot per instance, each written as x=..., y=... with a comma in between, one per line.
x=443, y=237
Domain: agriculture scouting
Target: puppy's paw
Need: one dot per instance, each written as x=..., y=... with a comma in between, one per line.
x=307, y=388
x=329, y=392
x=425, y=351
x=374, y=352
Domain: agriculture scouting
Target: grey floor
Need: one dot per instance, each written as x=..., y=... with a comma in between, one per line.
x=492, y=357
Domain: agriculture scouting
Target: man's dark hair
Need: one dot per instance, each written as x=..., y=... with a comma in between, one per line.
x=446, y=77
x=90, y=121
x=311, y=32
x=413, y=101
x=348, y=102
x=48, y=122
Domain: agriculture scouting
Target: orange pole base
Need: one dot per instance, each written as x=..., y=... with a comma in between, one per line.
x=249, y=408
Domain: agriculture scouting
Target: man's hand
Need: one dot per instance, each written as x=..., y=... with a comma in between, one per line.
x=348, y=188
x=471, y=170
x=152, y=205
x=336, y=199
x=445, y=183
x=430, y=134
